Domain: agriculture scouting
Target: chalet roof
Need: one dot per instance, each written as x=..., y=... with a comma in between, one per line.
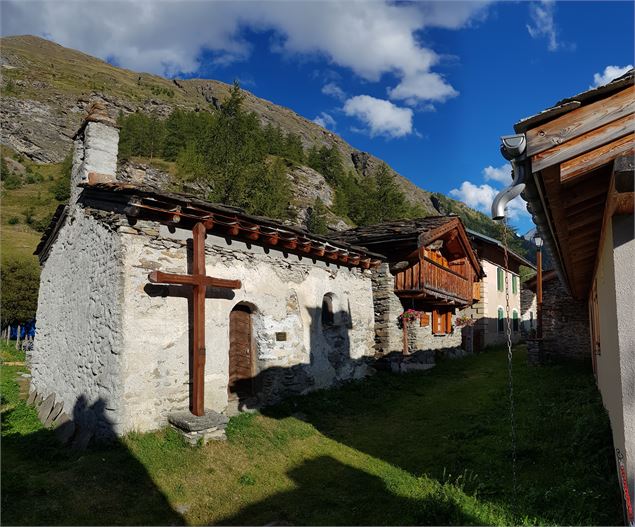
x=393, y=230
x=547, y=276
x=183, y=210
x=580, y=153
x=495, y=243
x=572, y=103
x=390, y=238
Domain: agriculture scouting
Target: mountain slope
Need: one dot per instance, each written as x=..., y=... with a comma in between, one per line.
x=46, y=88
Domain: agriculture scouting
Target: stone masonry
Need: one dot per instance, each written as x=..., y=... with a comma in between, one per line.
x=565, y=323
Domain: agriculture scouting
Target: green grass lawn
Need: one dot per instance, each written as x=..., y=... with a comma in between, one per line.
x=424, y=448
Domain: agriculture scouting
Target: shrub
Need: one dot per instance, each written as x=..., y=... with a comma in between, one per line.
x=20, y=282
x=13, y=220
x=34, y=177
x=11, y=181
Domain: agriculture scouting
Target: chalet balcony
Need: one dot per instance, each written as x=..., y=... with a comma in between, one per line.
x=431, y=277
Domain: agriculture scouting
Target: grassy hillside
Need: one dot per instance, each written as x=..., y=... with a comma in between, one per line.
x=46, y=88
x=28, y=203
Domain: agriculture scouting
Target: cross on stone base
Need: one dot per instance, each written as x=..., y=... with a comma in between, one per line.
x=200, y=282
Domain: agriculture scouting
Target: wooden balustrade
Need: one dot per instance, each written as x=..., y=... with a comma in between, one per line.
x=432, y=275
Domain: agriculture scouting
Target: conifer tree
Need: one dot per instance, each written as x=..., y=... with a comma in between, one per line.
x=316, y=220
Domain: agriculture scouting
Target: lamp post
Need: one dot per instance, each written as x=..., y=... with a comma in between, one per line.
x=538, y=242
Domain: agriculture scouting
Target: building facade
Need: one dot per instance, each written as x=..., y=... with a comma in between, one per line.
x=500, y=284
x=116, y=349
x=575, y=164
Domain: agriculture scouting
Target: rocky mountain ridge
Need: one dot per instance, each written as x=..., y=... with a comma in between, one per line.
x=47, y=88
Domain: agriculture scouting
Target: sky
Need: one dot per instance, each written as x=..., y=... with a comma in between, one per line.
x=429, y=87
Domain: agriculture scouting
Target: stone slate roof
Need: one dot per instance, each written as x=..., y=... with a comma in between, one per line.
x=184, y=211
x=571, y=103
x=494, y=242
x=393, y=230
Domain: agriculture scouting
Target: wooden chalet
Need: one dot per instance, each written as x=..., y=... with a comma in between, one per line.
x=432, y=260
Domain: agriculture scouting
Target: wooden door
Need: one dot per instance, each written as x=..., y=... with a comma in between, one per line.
x=240, y=353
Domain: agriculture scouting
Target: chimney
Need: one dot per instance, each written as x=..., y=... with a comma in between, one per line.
x=96, y=147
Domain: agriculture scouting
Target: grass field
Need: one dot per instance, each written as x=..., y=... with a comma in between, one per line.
x=429, y=448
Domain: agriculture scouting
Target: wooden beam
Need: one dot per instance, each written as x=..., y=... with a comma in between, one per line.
x=582, y=220
x=583, y=143
x=571, y=170
x=580, y=121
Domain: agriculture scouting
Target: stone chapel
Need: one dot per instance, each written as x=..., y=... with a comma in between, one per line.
x=154, y=304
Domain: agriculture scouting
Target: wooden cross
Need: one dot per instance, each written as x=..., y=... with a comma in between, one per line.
x=199, y=281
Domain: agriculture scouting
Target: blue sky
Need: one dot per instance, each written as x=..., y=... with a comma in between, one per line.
x=428, y=86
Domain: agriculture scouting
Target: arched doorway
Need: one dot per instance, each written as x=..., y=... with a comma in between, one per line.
x=241, y=356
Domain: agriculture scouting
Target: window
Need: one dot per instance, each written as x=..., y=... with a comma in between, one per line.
x=500, y=279
x=501, y=320
x=441, y=322
x=328, y=318
x=514, y=284
x=515, y=320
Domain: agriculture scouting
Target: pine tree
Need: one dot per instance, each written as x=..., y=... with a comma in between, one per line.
x=316, y=220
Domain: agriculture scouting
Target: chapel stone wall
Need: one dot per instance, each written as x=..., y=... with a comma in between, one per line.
x=77, y=345
x=294, y=351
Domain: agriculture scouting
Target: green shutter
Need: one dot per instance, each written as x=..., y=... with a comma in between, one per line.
x=514, y=284
x=500, y=279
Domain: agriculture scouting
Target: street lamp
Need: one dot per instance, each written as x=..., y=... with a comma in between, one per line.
x=538, y=242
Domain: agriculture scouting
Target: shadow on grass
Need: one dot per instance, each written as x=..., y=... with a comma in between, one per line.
x=46, y=483
x=454, y=423
x=329, y=492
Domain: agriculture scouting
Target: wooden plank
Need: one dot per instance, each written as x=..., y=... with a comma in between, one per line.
x=583, y=143
x=580, y=121
x=573, y=168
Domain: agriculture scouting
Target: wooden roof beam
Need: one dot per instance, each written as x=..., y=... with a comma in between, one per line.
x=573, y=169
x=582, y=143
x=578, y=122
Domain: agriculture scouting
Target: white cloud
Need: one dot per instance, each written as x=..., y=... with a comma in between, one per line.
x=167, y=37
x=422, y=86
x=543, y=23
x=380, y=116
x=325, y=121
x=480, y=197
x=610, y=73
x=333, y=90
x=502, y=174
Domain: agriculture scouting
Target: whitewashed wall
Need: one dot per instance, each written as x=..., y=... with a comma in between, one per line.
x=78, y=342
x=286, y=296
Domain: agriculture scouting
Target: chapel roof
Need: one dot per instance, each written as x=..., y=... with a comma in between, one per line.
x=142, y=202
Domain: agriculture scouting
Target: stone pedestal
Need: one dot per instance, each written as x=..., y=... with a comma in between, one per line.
x=207, y=427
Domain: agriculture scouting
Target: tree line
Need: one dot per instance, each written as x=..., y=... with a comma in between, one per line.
x=244, y=163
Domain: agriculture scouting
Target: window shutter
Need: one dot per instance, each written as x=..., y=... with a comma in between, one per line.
x=438, y=322
x=514, y=284
x=499, y=279
x=448, y=322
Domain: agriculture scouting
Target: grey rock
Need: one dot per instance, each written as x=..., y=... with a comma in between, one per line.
x=46, y=407
x=193, y=423
x=55, y=412
x=32, y=397
x=63, y=428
